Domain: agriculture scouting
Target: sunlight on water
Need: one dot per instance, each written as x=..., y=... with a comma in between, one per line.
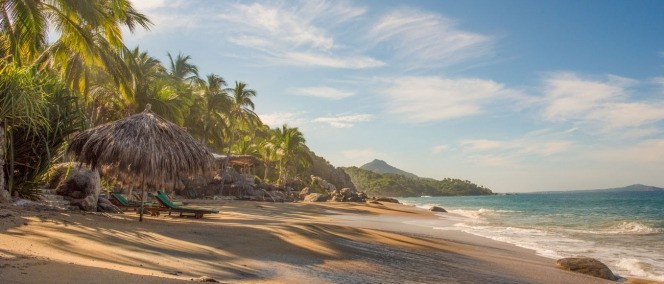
x=625, y=230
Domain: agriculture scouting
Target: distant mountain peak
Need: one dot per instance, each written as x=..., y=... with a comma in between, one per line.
x=382, y=167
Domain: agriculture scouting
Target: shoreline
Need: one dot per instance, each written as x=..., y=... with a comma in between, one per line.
x=251, y=242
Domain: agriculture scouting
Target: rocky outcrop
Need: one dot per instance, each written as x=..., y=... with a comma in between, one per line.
x=586, y=265
x=347, y=195
x=387, y=199
x=437, y=209
x=304, y=192
x=323, y=169
x=316, y=197
x=80, y=185
x=320, y=185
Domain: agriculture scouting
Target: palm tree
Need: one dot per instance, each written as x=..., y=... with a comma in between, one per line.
x=89, y=35
x=209, y=113
x=291, y=150
x=88, y=39
x=241, y=110
x=181, y=70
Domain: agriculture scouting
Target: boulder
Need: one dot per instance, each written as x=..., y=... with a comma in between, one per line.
x=387, y=199
x=437, y=209
x=316, y=197
x=346, y=192
x=105, y=205
x=81, y=186
x=586, y=265
x=4, y=195
x=304, y=192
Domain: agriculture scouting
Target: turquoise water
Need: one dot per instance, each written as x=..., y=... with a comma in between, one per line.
x=625, y=230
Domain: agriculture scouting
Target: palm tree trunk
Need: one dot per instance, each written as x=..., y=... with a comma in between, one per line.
x=2, y=157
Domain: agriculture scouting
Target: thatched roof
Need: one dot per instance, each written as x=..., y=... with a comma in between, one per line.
x=237, y=160
x=142, y=147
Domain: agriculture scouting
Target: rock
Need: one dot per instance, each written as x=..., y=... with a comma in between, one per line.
x=205, y=279
x=316, y=197
x=375, y=202
x=105, y=205
x=81, y=186
x=305, y=191
x=437, y=209
x=586, y=265
x=346, y=192
x=4, y=195
x=387, y=199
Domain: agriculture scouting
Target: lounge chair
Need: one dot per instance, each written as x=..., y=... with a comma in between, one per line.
x=121, y=201
x=170, y=207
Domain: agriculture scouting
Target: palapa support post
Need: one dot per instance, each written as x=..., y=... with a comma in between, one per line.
x=140, y=219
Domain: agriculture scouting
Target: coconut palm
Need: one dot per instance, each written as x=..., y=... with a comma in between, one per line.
x=88, y=39
x=181, y=70
x=209, y=113
x=241, y=110
x=290, y=149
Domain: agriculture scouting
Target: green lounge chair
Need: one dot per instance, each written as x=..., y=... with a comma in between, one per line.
x=170, y=207
x=121, y=201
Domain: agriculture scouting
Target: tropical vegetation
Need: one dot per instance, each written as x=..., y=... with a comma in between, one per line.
x=397, y=185
x=64, y=67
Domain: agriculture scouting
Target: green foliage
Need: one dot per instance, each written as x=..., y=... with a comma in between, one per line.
x=401, y=186
x=40, y=116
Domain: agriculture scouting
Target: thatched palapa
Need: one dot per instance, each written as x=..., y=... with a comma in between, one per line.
x=142, y=148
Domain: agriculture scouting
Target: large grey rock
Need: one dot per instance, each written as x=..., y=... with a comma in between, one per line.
x=316, y=197
x=437, y=209
x=81, y=186
x=105, y=205
x=586, y=265
x=4, y=196
x=346, y=192
x=387, y=199
x=305, y=191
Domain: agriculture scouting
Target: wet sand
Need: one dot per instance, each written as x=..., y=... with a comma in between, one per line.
x=250, y=242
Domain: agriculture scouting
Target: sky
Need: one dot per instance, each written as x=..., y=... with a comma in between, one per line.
x=516, y=96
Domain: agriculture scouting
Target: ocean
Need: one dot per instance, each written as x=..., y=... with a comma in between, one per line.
x=624, y=230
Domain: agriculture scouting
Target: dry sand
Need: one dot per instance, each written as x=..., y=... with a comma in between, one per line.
x=250, y=242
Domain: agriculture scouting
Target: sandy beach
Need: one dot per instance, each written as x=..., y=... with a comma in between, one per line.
x=251, y=242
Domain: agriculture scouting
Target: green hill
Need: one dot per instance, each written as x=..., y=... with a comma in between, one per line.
x=396, y=185
x=381, y=167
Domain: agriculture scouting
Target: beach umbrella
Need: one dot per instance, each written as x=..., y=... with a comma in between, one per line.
x=143, y=147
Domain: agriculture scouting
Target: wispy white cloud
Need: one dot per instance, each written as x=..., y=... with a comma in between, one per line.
x=516, y=152
x=424, y=37
x=147, y=6
x=521, y=146
x=323, y=92
x=439, y=149
x=296, y=33
x=277, y=119
x=570, y=96
x=279, y=24
x=647, y=151
x=167, y=16
x=432, y=98
x=346, y=62
x=606, y=105
x=344, y=121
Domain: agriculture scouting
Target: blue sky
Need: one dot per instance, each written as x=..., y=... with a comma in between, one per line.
x=513, y=95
